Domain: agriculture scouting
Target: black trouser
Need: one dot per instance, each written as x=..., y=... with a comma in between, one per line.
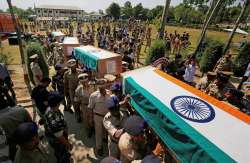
x=61, y=152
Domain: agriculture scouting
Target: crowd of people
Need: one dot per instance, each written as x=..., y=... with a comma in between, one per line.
x=98, y=103
x=215, y=83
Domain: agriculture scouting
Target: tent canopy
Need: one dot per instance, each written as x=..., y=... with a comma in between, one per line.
x=237, y=31
x=193, y=125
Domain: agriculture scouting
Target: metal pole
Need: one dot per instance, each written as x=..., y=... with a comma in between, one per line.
x=16, y=25
x=164, y=19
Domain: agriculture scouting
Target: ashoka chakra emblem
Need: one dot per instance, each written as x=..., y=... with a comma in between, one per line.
x=193, y=109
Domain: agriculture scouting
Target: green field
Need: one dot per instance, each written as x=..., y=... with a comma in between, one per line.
x=13, y=51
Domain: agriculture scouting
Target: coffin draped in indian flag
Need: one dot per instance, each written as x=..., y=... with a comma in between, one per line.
x=194, y=126
x=102, y=61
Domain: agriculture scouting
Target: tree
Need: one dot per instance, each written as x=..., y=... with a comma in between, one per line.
x=137, y=11
x=1, y=11
x=246, y=4
x=242, y=60
x=211, y=54
x=114, y=10
x=156, y=51
x=157, y=11
x=101, y=12
x=211, y=15
x=164, y=19
x=127, y=10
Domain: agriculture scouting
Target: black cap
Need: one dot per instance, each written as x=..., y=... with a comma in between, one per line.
x=58, y=67
x=25, y=132
x=54, y=99
x=235, y=92
x=134, y=125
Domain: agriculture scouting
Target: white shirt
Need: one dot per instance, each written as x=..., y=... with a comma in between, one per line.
x=189, y=73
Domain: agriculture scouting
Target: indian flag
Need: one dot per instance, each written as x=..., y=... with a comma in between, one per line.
x=194, y=126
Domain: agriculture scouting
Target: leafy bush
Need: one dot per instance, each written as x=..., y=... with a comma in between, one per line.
x=212, y=53
x=156, y=51
x=35, y=48
x=242, y=60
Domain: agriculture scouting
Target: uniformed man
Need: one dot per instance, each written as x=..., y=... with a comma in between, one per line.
x=56, y=129
x=205, y=81
x=113, y=122
x=70, y=82
x=58, y=83
x=5, y=78
x=224, y=64
x=40, y=95
x=97, y=103
x=4, y=147
x=82, y=99
x=36, y=69
x=132, y=143
x=10, y=118
x=219, y=87
x=26, y=136
x=235, y=98
x=58, y=54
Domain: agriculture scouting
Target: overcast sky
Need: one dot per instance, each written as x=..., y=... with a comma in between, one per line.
x=87, y=5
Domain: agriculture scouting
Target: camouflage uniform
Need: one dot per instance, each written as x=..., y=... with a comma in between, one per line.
x=215, y=91
x=112, y=124
x=36, y=71
x=224, y=65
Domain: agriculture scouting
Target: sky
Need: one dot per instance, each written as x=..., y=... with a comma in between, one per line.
x=87, y=5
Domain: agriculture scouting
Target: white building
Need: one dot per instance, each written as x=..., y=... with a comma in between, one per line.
x=58, y=11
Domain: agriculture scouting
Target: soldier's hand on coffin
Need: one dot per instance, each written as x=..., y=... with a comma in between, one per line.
x=118, y=133
x=127, y=98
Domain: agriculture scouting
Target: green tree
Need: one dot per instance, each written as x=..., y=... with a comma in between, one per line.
x=35, y=48
x=211, y=54
x=242, y=60
x=127, y=9
x=114, y=10
x=157, y=11
x=138, y=10
x=156, y=51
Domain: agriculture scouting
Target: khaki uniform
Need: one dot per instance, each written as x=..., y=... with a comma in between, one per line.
x=36, y=71
x=128, y=149
x=35, y=156
x=224, y=65
x=112, y=124
x=98, y=104
x=70, y=85
x=82, y=97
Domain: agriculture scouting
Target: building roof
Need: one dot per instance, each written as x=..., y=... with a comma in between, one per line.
x=59, y=7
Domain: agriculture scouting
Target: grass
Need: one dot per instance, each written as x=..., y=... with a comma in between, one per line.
x=14, y=53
